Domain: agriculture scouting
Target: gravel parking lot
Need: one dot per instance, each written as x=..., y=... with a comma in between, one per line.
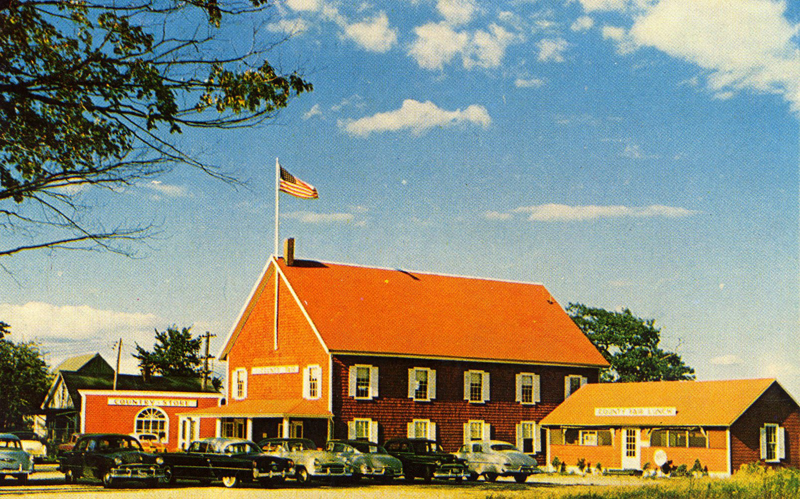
x=48, y=483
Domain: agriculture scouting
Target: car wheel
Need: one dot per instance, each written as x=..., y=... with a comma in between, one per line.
x=521, y=478
x=472, y=476
x=302, y=475
x=69, y=477
x=108, y=480
x=169, y=476
x=490, y=477
x=230, y=481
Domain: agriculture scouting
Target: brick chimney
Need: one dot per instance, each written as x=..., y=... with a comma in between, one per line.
x=288, y=251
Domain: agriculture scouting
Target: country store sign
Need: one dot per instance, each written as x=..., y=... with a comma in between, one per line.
x=147, y=402
x=635, y=411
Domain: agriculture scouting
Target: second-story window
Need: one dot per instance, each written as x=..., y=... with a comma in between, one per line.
x=476, y=386
x=421, y=384
x=363, y=382
x=572, y=383
x=312, y=381
x=240, y=384
x=528, y=388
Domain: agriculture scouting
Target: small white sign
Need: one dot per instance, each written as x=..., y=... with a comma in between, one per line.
x=145, y=402
x=275, y=370
x=635, y=411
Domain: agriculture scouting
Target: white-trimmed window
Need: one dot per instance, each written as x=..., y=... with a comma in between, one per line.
x=233, y=428
x=773, y=443
x=363, y=429
x=528, y=438
x=421, y=384
x=528, y=388
x=152, y=420
x=239, y=388
x=476, y=386
x=476, y=431
x=421, y=428
x=571, y=384
x=312, y=382
x=295, y=429
x=363, y=382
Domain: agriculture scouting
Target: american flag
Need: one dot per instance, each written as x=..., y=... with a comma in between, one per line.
x=296, y=187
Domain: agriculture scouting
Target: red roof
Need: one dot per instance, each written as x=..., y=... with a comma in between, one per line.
x=396, y=312
x=681, y=403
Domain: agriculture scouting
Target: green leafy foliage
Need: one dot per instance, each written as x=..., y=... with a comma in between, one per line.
x=175, y=353
x=91, y=90
x=630, y=344
x=24, y=380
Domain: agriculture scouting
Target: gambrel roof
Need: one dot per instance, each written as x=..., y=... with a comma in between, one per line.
x=659, y=403
x=392, y=312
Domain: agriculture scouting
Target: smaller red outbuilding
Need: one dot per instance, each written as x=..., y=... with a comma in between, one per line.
x=721, y=424
x=86, y=400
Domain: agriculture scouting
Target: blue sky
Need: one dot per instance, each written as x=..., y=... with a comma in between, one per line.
x=625, y=153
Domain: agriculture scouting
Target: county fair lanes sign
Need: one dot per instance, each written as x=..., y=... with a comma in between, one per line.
x=147, y=402
x=635, y=411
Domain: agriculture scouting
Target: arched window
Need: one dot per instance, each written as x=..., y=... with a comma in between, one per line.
x=154, y=421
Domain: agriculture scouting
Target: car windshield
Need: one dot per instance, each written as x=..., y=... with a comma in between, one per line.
x=368, y=448
x=110, y=443
x=8, y=443
x=424, y=447
x=504, y=448
x=241, y=448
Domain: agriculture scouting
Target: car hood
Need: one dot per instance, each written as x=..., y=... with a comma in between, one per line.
x=132, y=457
x=376, y=460
x=13, y=455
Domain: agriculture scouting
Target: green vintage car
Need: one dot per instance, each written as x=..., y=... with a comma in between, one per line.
x=111, y=458
x=14, y=460
x=426, y=459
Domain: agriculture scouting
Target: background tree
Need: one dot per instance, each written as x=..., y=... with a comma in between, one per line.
x=24, y=380
x=175, y=353
x=93, y=91
x=630, y=345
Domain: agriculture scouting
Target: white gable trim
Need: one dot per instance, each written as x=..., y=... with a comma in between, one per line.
x=464, y=359
x=303, y=309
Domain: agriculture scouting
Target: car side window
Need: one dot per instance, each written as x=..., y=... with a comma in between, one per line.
x=91, y=446
x=477, y=448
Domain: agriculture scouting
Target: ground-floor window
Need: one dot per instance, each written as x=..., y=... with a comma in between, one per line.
x=296, y=429
x=190, y=430
x=573, y=436
x=476, y=431
x=152, y=420
x=234, y=428
x=363, y=429
x=772, y=443
x=422, y=428
x=678, y=438
x=526, y=437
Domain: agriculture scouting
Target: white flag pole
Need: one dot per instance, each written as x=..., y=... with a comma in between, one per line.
x=277, y=198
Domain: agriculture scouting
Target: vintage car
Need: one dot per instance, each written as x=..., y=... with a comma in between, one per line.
x=309, y=462
x=69, y=444
x=34, y=444
x=495, y=458
x=368, y=460
x=426, y=459
x=111, y=458
x=14, y=460
x=232, y=460
x=150, y=442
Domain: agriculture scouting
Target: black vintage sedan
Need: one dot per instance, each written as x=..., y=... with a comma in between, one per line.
x=110, y=458
x=232, y=460
x=426, y=459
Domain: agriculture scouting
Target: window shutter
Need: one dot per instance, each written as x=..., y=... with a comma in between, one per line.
x=352, y=382
x=537, y=438
x=519, y=388
x=432, y=431
x=351, y=430
x=373, y=432
x=487, y=432
x=780, y=451
x=410, y=429
x=537, y=388
x=485, y=386
x=566, y=387
x=466, y=433
x=373, y=382
x=763, y=441
x=412, y=382
x=432, y=384
x=466, y=384
x=520, y=435
x=584, y=380
x=306, y=375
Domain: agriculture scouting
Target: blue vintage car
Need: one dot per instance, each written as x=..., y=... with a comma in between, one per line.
x=14, y=461
x=369, y=460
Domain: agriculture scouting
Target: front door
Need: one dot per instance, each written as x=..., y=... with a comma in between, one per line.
x=631, y=455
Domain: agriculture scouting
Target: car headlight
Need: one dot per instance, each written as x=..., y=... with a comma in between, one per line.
x=159, y=460
x=315, y=463
x=438, y=463
x=117, y=461
x=364, y=468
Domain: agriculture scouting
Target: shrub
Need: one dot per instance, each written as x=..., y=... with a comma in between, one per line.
x=681, y=470
x=581, y=464
x=556, y=463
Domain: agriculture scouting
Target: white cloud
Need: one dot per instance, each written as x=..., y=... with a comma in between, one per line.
x=565, y=213
x=726, y=360
x=457, y=12
x=43, y=321
x=488, y=48
x=168, y=190
x=373, y=35
x=436, y=45
x=310, y=217
x=552, y=49
x=304, y=5
x=417, y=117
x=635, y=151
x=496, y=215
x=582, y=24
x=289, y=27
x=314, y=111
x=528, y=83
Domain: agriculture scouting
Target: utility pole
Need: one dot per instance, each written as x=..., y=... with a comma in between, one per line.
x=208, y=337
x=116, y=371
